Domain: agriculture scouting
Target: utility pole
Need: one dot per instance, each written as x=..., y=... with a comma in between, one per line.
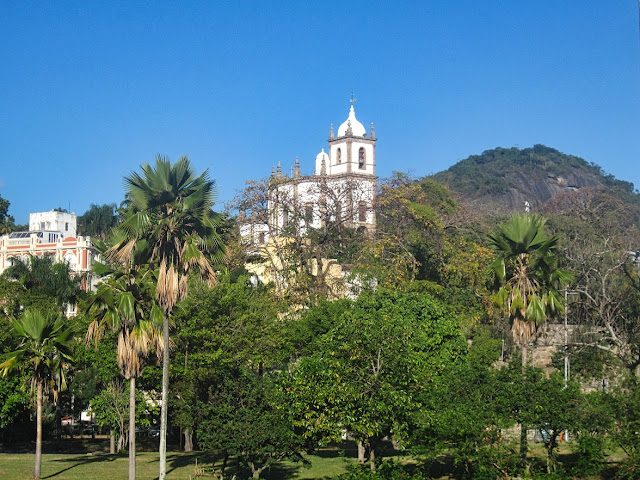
x=566, y=340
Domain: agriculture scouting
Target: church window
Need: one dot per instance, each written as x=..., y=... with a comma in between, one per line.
x=285, y=217
x=362, y=158
x=362, y=212
x=261, y=238
x=308, y=213
x=339, y=156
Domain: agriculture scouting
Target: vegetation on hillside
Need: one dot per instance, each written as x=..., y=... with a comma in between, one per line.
x=495, y=172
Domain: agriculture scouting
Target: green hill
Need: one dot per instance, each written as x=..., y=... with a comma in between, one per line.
x=501, y=180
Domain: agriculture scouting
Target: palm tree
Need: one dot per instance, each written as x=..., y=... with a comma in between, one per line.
x=124, y=303
x=98, y=221
x=40, y=275
x=43, y=351
x=171, y=211
x=528, y=276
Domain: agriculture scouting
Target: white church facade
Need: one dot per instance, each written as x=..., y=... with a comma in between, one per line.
x=340, y=190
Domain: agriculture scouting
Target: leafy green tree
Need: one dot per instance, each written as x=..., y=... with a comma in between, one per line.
x=527, y=275
x=366, y=372
x=460, y=415
x=124, y=303
x=7, y=222
x=247, y=415
x=232, y=323
x=556, y=409
x=44, y=350
x=627, y=416
x=171, y=213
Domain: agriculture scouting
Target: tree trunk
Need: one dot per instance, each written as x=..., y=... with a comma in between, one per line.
x=132, y=428
x=112, y=442
x=165, y=399
x=255, y=472
x=58, y=423
x=360, y=453
x=372, y=455
x=38, y=465
x=188, y=440
x=524, y=357
x=523, y=445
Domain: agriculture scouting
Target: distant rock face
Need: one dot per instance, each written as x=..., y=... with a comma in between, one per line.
x=536, y=190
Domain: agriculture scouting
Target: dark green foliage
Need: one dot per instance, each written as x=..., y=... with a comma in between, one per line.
x=231, y=325
x=366, y=373
x=460, y=415
x=387, y=470
x=627, y=415
x=590, y=455
x=44, y=282
x=247, y=415
x=98, y=221
x=588, y=363
x=7, y=222
x=14, y=401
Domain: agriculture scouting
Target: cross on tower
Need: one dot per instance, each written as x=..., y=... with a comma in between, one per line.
x=353, y=99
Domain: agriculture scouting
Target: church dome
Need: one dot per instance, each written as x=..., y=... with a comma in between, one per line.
x=357, y=128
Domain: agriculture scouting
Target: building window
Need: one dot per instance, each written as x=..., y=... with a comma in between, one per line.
x=41, y=225
x=308, y=213
x=261, y=237
x=339, y=156
x=362, y=212
x=285, y=217
x=338, y=211
x=361, y=158
x=66, y=227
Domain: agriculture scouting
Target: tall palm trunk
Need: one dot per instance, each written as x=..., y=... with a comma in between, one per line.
x=132, y=428
x=38, y=465
x=165, y=399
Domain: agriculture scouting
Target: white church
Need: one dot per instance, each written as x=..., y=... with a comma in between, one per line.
x=341, y=189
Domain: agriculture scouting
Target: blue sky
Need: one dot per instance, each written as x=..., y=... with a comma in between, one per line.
x=91, y=90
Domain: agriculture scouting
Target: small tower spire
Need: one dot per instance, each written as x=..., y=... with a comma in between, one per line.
x=296, y=169
x=323, y=167
x=273, y=172
x=279, y=175
x=373, y=132
x=331, y=132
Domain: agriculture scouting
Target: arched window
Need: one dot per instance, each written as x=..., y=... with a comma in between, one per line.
x=339, y=156
x=362, y=164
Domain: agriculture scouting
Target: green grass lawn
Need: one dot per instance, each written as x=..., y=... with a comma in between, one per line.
x=98, y=465
x=65, y=466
